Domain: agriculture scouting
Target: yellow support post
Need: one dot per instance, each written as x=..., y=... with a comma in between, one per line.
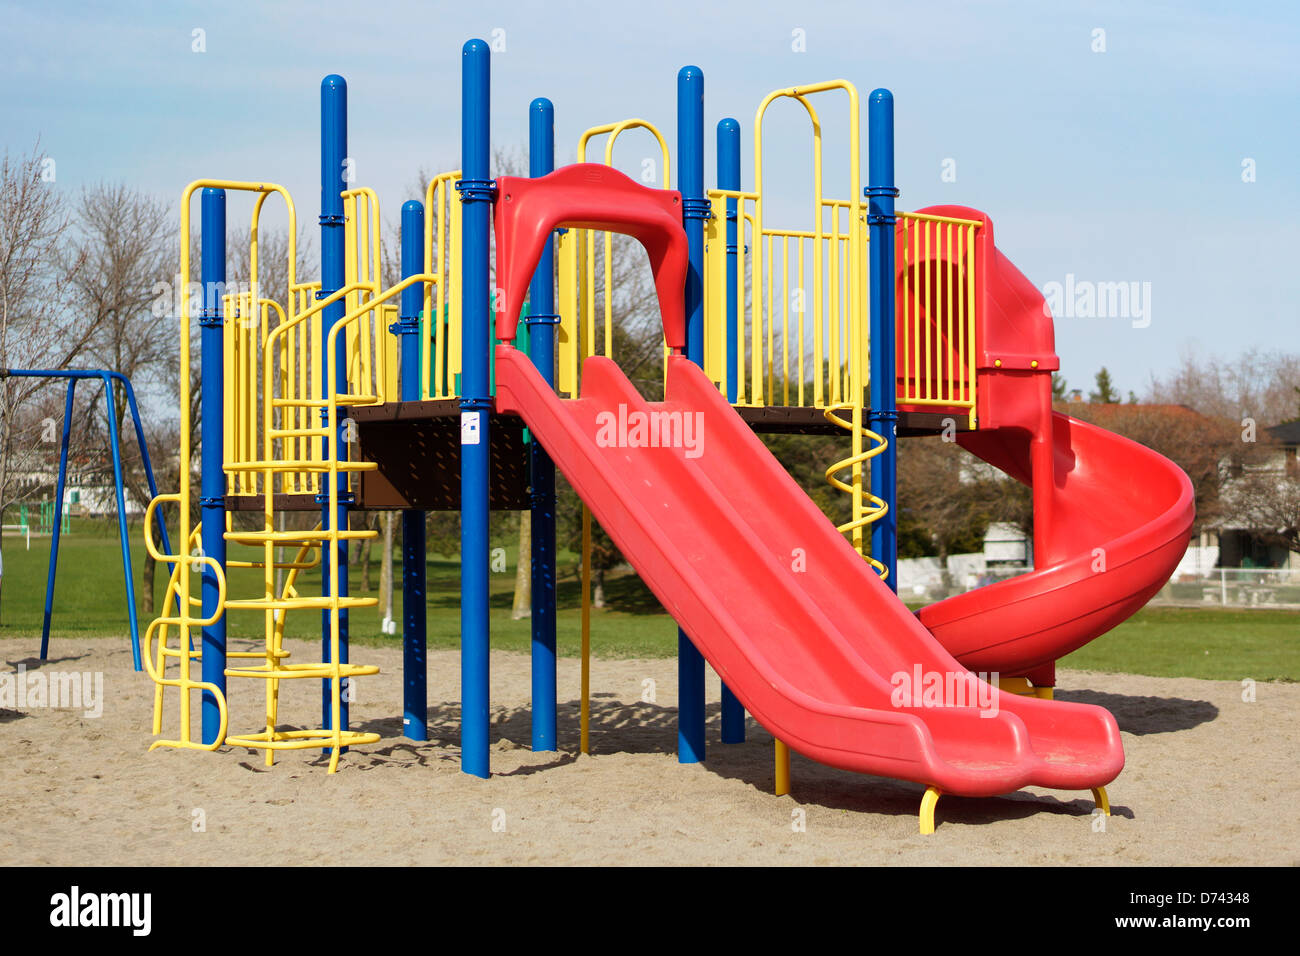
x=782, y=774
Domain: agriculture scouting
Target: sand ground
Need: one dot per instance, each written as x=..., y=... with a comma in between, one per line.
x=1210, y=779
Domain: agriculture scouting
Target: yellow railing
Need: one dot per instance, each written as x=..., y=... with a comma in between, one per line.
x=935, y=305
x=801, y=318
x=440, y=322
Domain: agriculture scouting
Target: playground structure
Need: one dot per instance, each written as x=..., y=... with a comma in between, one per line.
x=351, y=396
x=53, y=517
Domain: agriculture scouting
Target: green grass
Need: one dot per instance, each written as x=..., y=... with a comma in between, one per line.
x=1198, y=642
x=89, y=601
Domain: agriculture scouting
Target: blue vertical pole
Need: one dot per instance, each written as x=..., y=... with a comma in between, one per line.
x=541, y=348
x=883, y=415
x=123, y=535
x=476, y=194
x=58, y=515
x=728, y=156
x=333, y=155
x=415, y=668
x=212, y=482
x=695, y=209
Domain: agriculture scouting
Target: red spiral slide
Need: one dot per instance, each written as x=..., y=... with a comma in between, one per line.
x=1112, y=518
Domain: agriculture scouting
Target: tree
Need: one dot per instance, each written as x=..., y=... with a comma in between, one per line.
x=1258, y=384
x=1105, y=393
x=1059, y=387
x=1265, y=501
x=125, y=244
x=34, y=331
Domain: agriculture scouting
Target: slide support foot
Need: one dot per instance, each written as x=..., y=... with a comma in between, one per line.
x=1102, y=801
x=928, y=802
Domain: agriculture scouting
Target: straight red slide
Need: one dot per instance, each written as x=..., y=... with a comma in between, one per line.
x=815, y=646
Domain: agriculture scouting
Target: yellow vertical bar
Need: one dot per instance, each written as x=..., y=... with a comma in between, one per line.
x=929, y=308
x=589, y=310
x=756, y=307
x=741, y=222
x=715, y=310
x=960, y=267
x=608, y=250
x=566, y=343
x=584, y=721
x=904, y=327
x=971, y=318
x=785, y=319
x=771, y=320
x=832, y=311
x=915, y=296
x=250, y=396
x=803, y=319
x=453, y=295
x=231, y=388
x=949, y=388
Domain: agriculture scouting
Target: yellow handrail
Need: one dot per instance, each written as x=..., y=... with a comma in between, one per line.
x=936, y=313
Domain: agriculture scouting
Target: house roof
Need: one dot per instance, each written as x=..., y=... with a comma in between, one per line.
x=1288, y=433
x=1103, y=410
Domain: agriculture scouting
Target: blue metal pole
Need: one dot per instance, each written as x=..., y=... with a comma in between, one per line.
x=333, y=155
x=124, y=537
x=415, y=668
x=212, y=481
x=695, y=209
x=476, y=193
x=728, y=156
x=145, y=463
x=883, y=416
x=541, y=348
x=58, y=516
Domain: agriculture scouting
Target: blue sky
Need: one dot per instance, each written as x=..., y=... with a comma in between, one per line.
x=1122, y=165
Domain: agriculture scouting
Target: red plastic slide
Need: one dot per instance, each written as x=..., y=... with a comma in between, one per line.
x=1112, y=518
x=815, y=646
